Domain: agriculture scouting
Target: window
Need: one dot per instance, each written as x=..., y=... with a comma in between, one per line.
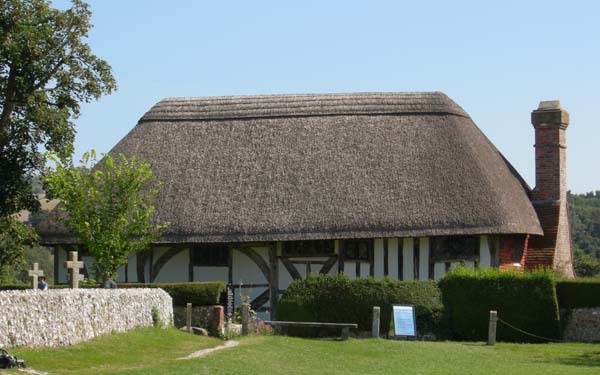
x=454, y=248
x=359, y=250
x=210, y=255
x=308, y=248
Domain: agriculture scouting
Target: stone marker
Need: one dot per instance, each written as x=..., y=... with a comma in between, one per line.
x=34, y=274
x=375, y=326
x=74, y=265
x=492, y=327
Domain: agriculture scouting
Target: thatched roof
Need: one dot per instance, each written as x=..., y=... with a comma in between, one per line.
x=290, y=167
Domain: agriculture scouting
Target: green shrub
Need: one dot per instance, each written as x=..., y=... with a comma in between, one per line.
x=337, y=299
x=525, y=300
x=197, y=293
x=580, y=292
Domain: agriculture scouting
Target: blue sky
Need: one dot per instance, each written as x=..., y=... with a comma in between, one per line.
x=495, y=59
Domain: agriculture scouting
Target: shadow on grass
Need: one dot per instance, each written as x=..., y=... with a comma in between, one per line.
x=589, y=359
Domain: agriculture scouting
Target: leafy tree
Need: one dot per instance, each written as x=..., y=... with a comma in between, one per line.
x=584, y=216
x=46, y=70
x=108, y=207
x=585, y=265
x=14, y=239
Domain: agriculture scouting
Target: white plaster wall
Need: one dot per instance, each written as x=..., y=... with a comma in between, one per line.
x=132, y=268
x=285, y=279
x=378, y=258
x=365, y=269
x=485, y=259
x=334, y=269
x=439, y=270
x=121, y=274
x=211, y=274
x=408, y=259
x=301, y=270
x=350, y=269
x=245, y=270
x=176, y=269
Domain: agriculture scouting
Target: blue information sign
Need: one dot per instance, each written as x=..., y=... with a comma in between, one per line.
x=404, y=320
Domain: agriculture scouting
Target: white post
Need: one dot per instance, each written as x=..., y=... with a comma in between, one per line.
x=188, y=317
x=375, y=326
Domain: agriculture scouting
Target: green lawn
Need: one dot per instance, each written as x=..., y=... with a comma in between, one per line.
x=153, y=351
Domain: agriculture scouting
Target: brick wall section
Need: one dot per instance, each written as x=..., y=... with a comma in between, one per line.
x=550, y=194
x=509, y=245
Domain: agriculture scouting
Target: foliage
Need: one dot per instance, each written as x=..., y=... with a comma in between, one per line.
x=14, y=239
x=585, y=265
x=46, y=70
x=338, y=299
x=156, y=321
x=153, y=351
x=584, y=216
x=108, y=207
x=196, y=293
x=525, y=300
x=580, y=292
x=39, y=255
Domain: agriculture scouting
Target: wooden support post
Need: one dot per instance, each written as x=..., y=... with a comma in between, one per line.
x=492, y=327
x=375, y=327
x=188, y=317
x=245, y=318
x=274, y=276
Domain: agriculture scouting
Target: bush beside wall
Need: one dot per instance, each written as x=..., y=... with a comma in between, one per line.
x=525, y=300
x=339, y=299
x=580, y=292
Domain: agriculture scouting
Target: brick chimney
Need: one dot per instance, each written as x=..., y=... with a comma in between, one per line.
x=549, y=197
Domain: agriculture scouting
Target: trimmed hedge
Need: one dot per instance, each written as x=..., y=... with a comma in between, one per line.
x=337, y=299
x=581, y=292
x=197, y=293
x=525, y=300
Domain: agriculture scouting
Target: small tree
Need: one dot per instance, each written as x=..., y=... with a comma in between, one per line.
x=108, y=207
x=14, y=239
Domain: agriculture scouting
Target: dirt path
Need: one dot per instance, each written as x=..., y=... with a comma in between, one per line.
x=205, y=352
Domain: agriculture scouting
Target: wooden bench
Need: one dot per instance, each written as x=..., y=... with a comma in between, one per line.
x=344, y=326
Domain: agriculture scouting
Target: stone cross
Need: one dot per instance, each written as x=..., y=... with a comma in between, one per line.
x=34, y=274
x=74, y=265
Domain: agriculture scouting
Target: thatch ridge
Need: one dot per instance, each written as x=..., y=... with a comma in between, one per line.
x=342, y=166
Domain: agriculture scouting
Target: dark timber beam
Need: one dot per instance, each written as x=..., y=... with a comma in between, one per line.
x=164, y=259
x=256, y=258
x=289, y=266
x=274, y=276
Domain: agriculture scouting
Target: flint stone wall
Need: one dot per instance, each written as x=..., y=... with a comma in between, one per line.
x=583, y=325
x=34, y=318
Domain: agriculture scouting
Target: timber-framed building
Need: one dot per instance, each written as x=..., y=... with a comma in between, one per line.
x=262, y=190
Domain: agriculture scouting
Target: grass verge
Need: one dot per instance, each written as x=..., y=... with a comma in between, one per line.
x=153, y=351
